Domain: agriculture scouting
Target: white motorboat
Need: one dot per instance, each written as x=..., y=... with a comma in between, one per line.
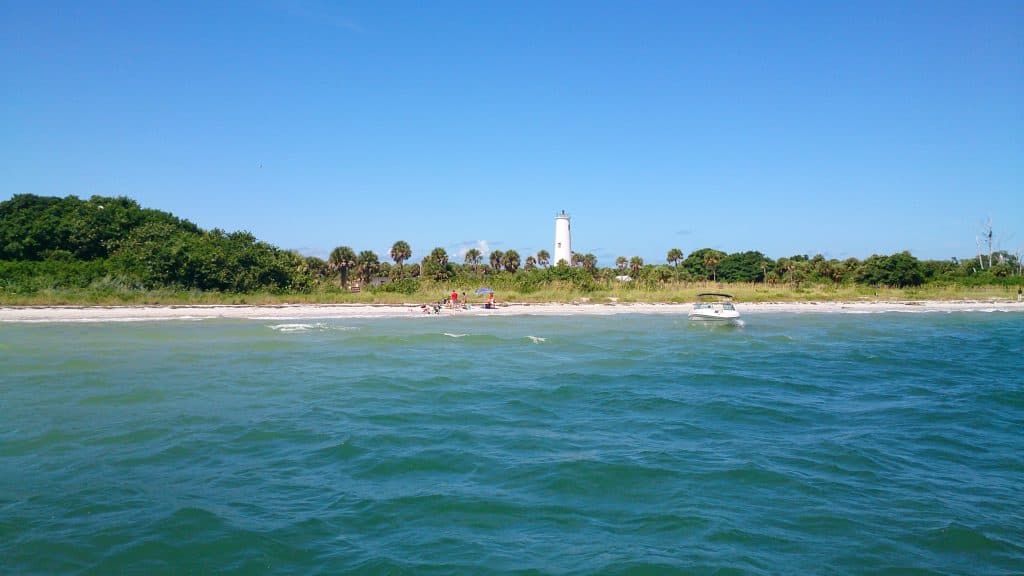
x=714, y=306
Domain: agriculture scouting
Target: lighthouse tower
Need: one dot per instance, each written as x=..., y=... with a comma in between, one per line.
x=563, y=243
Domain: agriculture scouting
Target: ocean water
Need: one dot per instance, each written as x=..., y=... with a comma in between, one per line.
x=795, y=444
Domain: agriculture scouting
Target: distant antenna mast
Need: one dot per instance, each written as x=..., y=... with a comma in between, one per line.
x=988, y=239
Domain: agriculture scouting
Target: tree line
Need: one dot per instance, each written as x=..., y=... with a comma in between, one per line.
x=49, y=242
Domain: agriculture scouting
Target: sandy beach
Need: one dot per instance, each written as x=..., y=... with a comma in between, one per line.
x=308, y=311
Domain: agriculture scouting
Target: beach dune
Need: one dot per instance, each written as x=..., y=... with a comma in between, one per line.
x=305, y=311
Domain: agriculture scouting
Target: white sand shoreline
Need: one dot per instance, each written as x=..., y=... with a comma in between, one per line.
x=327, y=311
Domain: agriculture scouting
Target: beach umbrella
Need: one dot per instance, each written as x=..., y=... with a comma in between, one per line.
x=484, y=291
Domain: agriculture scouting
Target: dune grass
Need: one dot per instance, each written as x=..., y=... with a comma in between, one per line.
x=432, y=292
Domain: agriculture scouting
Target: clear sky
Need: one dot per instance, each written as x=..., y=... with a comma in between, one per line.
x=846, y=128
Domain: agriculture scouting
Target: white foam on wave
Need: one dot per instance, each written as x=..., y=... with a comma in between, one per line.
x=309, y=327
x=450, y=335
x=297, y=327
x=537, y=339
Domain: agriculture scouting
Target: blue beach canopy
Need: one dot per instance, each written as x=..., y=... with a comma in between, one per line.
x=484, y=291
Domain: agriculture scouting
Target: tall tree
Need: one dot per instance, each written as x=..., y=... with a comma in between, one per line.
x=636, y=264
x=435, y=265
x=590, y=263
x=495, y=259
x=400, y=252
x=697, y=262
x=577, y=259
x=531, y=263
x=786, y=269
x=674, y=257
x=341, y=260
x=621, y=262
x=711, y=261
x=473, y=257
x=543, y=258
x=510, y=260
x=367, y=264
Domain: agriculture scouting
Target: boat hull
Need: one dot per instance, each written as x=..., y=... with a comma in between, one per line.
x=715, y=315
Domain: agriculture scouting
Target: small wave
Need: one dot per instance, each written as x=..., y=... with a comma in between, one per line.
x=295, y=327
x=309, y=327
x=450, y=335
x=537, y=339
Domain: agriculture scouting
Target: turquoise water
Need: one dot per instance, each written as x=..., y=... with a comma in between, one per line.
x=798, y=443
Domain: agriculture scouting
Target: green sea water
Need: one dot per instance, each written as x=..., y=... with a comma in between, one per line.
x=795, y=444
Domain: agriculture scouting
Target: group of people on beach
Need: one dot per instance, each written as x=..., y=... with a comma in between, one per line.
x=455, y=302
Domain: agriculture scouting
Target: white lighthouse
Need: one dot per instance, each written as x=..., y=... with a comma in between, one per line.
x=563, y=242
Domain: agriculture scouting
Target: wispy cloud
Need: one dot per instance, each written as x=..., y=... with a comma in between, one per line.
x=320, y=12
x=461, y=248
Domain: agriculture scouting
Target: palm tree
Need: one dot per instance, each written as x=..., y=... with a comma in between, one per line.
x=342, y=259
x=400, y=252
x=511, y=260
x=577, y=259
x=531, y=263
x=367, y=264
x=472, y=257
x=495, y=259
x=543, y=258
x=675, y=255
x=621, y=262
x=711, y=261
x=590, y=263
x=439, y=256
x=636, y=263
x=435, y=265
x=786, y=266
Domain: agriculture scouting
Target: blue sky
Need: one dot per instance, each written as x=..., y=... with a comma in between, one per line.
x=786, y=127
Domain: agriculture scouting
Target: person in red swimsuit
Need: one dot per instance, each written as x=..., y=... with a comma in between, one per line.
x=455, y=299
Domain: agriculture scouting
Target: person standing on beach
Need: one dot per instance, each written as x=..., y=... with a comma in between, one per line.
x=455, y=299
x=1019, y=294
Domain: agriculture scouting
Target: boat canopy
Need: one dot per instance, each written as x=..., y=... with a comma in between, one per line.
x=722, y=294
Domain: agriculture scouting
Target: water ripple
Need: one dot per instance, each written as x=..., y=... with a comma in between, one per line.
x=629, y=445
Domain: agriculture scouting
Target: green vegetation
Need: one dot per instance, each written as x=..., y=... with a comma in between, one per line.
x=112, y=251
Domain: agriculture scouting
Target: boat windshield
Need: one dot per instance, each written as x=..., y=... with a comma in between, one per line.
x=713, y=305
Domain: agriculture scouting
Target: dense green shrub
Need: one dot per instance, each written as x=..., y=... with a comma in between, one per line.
x=400, y=286
x=899, y=270
x=29, y=277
